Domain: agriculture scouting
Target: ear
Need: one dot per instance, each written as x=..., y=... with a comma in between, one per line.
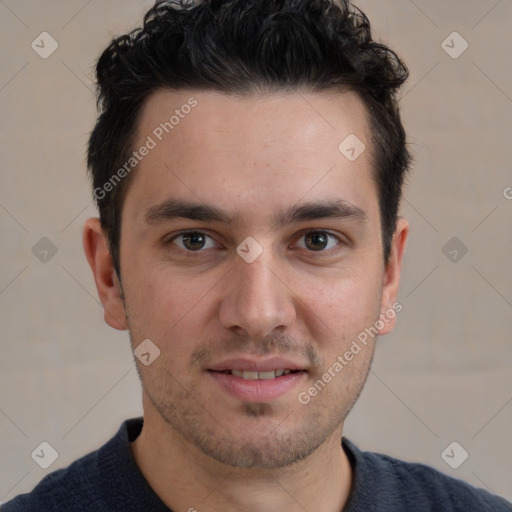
x=389, y=306
x=109, y=288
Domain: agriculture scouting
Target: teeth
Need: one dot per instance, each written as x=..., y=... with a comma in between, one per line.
x=247, y=375
x=267, y=375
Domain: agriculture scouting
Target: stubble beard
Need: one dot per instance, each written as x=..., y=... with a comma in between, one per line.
x=293, y=438
x=278, y=443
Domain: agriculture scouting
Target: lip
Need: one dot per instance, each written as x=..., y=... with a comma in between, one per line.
x=257, y=390
x=261, y=390
x=251, y=365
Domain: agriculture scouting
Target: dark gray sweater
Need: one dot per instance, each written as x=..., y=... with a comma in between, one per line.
x=108, y=480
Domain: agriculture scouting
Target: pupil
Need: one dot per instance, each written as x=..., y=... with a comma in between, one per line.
x=316, y=238
x=193, y=240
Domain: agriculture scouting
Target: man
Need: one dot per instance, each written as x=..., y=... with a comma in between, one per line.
x=247, y=163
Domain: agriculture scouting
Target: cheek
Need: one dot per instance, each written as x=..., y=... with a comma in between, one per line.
x=342, y=303
x=164, y=305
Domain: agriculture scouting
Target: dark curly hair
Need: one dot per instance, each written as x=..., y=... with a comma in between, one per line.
x=241, y=47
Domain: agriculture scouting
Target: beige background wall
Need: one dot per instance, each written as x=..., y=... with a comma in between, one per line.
x=444, y=375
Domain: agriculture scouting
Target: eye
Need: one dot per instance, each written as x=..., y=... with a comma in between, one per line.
x=318, y=241
x=193, y=241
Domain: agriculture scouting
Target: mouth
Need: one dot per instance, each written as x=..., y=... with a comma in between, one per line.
x=253, y=375
x=257, y=381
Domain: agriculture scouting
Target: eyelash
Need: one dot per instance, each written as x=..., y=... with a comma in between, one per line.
x=301, y=234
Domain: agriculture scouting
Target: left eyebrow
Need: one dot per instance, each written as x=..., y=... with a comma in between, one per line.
x=174, y=209
x=339, y=209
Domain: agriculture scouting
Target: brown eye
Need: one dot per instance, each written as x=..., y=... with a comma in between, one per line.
x=318, y=241
x=193, y=241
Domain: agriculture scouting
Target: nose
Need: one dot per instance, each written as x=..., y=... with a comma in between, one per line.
x=256, y=301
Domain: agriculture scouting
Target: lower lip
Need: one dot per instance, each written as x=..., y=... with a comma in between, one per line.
x=261, y=390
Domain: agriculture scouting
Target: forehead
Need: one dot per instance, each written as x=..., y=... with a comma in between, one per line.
x=248, y=154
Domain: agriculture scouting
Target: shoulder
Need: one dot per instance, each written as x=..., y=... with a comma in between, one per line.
x=385, y=483
x=86, y=484
x=60, y=489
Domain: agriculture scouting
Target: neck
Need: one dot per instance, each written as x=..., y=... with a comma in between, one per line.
x=184, y=478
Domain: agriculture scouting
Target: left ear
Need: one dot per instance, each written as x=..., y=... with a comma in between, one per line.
x=389, y=307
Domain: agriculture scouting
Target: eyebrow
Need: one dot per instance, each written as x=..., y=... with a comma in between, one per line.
x=178, y=209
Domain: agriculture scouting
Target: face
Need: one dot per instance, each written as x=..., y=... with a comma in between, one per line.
x=251, y=256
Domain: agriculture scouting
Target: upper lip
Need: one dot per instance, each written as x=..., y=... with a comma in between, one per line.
x=252, y=365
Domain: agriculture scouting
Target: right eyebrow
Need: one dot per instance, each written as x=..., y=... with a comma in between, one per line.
x=178, y=209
